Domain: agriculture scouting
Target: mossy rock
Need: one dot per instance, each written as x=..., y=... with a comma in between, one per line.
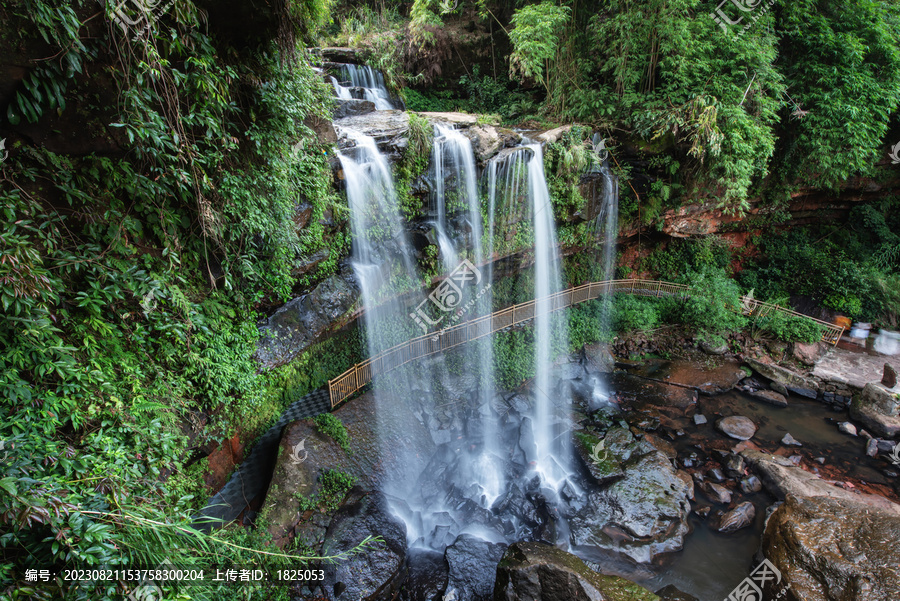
x=537, y=572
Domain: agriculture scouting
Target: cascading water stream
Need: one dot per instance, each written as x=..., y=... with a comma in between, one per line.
x=551, y=419
x=382, y=260
x=455, y=176
x=605, y=229
x=369, y=81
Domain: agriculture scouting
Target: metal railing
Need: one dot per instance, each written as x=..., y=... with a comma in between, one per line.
x=362, y=373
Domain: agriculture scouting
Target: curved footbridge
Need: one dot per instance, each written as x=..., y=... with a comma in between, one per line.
x=251, y=478
x=362, y=373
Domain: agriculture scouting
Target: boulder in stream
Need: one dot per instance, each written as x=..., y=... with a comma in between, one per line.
x=782, y=477
x=830, y=549
x=878, y=409
x=770, y=396
x=737, y=426
x=537, y=572
x=737, y=518
x=641, y=515
x=790, y=379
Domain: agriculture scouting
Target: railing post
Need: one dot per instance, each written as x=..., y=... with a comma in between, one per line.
x=632, y=285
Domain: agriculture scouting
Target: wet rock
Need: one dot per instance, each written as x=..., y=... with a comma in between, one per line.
x=889, y=379
x=699, y=419
x=367, y=575
x=750, y=484
x=597, y=358
x=427, y=575
x=737, y=426
x=535, y=572
x=795, y=459
x=297, y=324
x=847, y=428
x=809, y=354
x=779, y=388
x=338, y=54
x=789, y=440
x=770, y=396
x=389, y=128
x=820, y=460
x=323, y=128
x=643, y=514
x=885, y=446
x=782, y=478
x=473, y=568
x=716, y=493
x=707, y=380
x=661, y=445
x=734, y=466
x=877, y=408
x=788, y=378
x=703, y=510
x=670, y=593
x=809, y=393
x=715, y=474
x=872, y=447
x=488, y=140
x=600, y=461
x=352, y=107
x=739, y=517
x=834, y=549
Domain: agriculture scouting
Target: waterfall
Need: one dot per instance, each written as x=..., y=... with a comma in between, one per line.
x=455, y=178
x=514, y=176
x=606, y=229
x=551, y=417
x=368, y=81
x=382, y=260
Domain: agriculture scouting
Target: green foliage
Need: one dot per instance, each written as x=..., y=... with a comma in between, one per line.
x=843, y=72
x=631, y=313
x=789, y=328
x=685, y=254
x=536, y=41
x=129, y=282
x=328, y=424
x=713, y=307
x=413, y=163
x=333, y=487
x=835, y=269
